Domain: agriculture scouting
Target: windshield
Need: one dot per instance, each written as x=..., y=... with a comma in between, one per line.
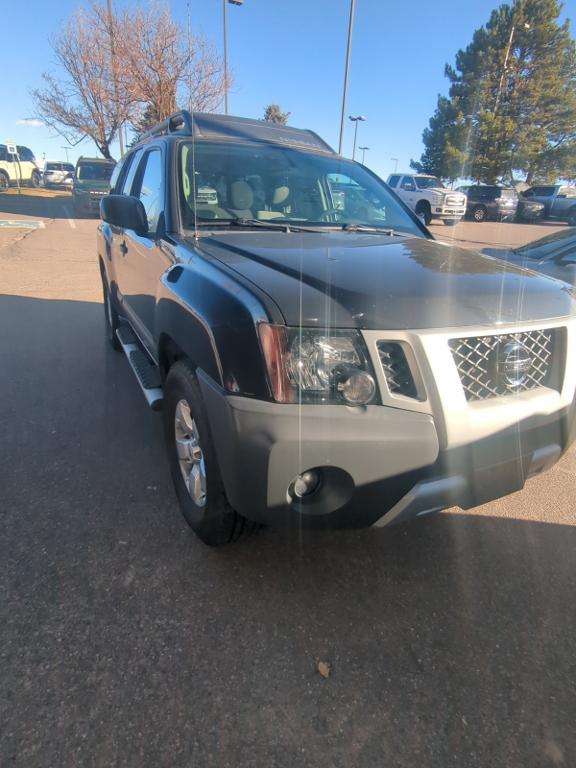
x=428, y=182
x=94, y=172
x=275, y=184
x=549, y=246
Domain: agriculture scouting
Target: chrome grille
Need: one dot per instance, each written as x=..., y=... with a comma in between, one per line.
x=484, y=363
x=396, y=369
x=457, y=200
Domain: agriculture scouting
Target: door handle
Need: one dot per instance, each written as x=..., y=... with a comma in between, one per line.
x=123, y=248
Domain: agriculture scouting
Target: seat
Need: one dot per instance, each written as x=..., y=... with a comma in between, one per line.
x=241, y=199
x=278, y=205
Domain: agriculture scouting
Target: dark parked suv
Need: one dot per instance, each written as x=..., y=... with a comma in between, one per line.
x=488, y=202
x=319, y=358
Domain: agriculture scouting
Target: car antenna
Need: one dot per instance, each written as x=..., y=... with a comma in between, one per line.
x=191, y=110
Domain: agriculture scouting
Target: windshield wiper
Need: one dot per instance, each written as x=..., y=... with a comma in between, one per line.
x=282, y=226
x=369, y=229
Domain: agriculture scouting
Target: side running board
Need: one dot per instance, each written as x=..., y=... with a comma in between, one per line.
x=147, y=374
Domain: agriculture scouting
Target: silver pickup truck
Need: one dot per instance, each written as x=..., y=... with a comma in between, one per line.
x=559, y=201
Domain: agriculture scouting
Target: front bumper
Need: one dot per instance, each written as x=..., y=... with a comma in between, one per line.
x=379, y=464
x=448, y=212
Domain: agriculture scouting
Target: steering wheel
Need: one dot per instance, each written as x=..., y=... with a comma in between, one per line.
x=331, y=212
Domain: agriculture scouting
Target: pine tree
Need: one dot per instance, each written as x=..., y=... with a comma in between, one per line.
x=512, y=100
x=273, y=114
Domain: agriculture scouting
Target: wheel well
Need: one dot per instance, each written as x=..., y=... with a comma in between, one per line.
x=169, y=353
x=423, y=204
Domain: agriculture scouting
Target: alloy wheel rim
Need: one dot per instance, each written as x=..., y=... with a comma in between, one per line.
x=189, y=452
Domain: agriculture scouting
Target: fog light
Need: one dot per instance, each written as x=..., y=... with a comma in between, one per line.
x=306, y=483
x=358, y=388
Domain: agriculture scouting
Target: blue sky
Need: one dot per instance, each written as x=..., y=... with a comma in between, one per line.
x=288, y=52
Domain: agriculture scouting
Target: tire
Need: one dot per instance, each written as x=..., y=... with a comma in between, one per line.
x=451, y=222
x=479, y=213
x=4, y=180
x=35, y=179
x=572, y=217
x=110, y=317
x=423, y=210
x=203, y=500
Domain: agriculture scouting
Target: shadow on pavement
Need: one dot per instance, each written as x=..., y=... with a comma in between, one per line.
x=39, y=203
x=126, y=641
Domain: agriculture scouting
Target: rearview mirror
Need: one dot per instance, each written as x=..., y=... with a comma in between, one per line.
x=125, y=212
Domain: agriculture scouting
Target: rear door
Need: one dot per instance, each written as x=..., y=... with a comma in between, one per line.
x=142, y=260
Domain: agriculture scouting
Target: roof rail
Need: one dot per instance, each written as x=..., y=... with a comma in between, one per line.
x=179, y=122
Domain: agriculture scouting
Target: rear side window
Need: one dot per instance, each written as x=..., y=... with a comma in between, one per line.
x=393, y=181
x=25, y=154
x=151, y=188
x=126, y=180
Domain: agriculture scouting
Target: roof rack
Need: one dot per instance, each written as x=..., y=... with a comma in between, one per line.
x=179, y=122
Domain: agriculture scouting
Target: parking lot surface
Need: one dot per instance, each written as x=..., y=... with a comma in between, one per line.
x=126, y=642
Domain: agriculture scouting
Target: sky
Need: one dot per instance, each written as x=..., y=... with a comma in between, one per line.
x=290, y=53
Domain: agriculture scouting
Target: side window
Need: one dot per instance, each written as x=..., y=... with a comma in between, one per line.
x=408, y=184
x=393, y=181
x=151, y=188
x=126, y=181
x=25, y=155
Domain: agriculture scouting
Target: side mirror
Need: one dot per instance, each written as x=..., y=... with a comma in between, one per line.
x=125, y=212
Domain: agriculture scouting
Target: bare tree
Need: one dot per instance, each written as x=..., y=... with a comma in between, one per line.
x=83, y=102
x=125, y=67
x=160, y=69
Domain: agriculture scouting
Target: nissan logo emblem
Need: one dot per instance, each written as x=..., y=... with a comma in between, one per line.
x=513, y=363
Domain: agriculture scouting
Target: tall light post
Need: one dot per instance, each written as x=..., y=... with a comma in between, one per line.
x=66, y=150
x=346, y=72
x=364, y=150
x=505, y=65
x=225, y=15
x=395, y=164
x=355, y=120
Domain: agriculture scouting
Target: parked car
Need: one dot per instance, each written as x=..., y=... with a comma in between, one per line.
x=489, y=202
x=315, y=367
x=58, y=174
x=559, y=201
x=91, y=183
x=554, y=255
x=21, y=168
x=428, y=197
x=529, y=211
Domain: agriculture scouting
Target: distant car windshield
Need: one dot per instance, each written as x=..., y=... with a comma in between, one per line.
x=279, y=184
x=94, y=172
x=549, y=246
x=428, y=182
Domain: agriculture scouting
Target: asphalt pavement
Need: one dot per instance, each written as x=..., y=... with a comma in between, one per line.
x=126, y=642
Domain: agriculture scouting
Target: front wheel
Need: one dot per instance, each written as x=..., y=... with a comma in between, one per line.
x=479, y=213
x=572, y=217
x=193, y=463
x=4, y=180
x=423, y=210
x=35, y=179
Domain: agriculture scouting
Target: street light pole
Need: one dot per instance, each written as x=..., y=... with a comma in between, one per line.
x=346, y=72
x=66, y=150
x=395, y=164
x=364, y=150
x=225, y=17
x=355, y=120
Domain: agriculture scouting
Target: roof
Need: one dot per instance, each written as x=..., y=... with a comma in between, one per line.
x=204, y=125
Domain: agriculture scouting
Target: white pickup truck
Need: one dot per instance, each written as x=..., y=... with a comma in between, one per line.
x=428, y=197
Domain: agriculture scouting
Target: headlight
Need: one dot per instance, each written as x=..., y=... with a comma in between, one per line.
x=316, y=366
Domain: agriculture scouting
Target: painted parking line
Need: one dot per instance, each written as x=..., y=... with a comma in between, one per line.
x=23, y=223
x=69, y=218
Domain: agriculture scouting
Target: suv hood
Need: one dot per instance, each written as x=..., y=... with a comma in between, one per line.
x=380, y=282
